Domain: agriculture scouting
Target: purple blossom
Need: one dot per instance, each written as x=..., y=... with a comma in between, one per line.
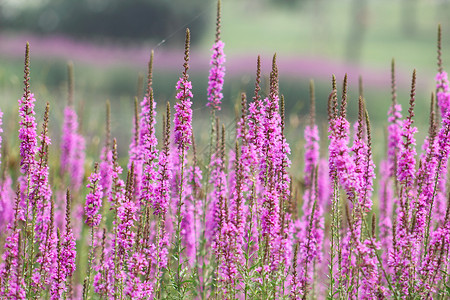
x=183, y=111
x=183, y=114
x=216, y=75
x=394, y=137
x=160, y=202
x=78, y=162
x=148, y=150
x=66, y=255
x=39, y=189
x=340, y=162
x=311, y=152
x=6, y=193
x=126, y=215
x=310, y=237
x=12, y=285
x=6, y=202
x=218, y=197
x=386, y=195
x=27, y=133
x=93, y=200
x=442, y=92
x=406, y=171
x=72, y=149
x=106, y=171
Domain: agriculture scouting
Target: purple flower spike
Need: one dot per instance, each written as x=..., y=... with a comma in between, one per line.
x=442, y=92
x=72, y=148
x=217, y=71
x=216, y=75
x=93, y=200
x=27, y=132
x=183, y=110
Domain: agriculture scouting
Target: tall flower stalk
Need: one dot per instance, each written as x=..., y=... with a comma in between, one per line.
x=217, y=71
x=182, y=138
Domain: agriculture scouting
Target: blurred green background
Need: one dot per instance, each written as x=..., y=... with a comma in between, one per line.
x=109, y=42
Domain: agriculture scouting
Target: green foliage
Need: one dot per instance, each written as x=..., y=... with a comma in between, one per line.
x=126, y=20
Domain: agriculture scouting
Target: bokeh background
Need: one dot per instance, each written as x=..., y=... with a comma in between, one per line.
x=109, y=42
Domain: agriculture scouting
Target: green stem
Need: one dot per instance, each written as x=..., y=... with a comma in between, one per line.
x=91, y=254
x=177, y=254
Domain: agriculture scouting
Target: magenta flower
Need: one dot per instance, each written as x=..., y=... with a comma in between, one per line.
x=311, y=152
x=442, y=92
x=12, y=285
x=106, y=171
x=394, y=136
x=93, y=200
x=6, y=193
x=27, y=132
x=183, y=111
x=406, y=162
x=6, y=202
x=310, y=237
x=340, y=162
x=72, y=149
x=148, y=150
x=406, y=171
x=216, y=75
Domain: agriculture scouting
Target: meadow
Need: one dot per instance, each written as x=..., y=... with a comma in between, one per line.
x=208, y=199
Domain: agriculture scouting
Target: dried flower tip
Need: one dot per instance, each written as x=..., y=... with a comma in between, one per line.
x=136, y=121
x=413, y=94
x=130, y=184
x=115, y=155
x=432, y=116
x=167, y=126
x=243, y=105
x=45, y=124
x=274, y=78
x=26, y=71
x=439, y=49
x=219, y=8
x=186, y=52
x=330, y=107
x=393, y=84
x=258, y=79
x=222, y=145
x=236, y=149
x=151, y=106
x=361, y=117
x=150, y=74
x=344, y=97
x=334, y=102
x=68, y=200
x=369, y=135
x=374, y=224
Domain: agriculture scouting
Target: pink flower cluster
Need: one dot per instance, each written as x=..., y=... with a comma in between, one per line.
x=216, y=75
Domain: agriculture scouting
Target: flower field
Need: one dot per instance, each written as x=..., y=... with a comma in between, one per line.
x=229, y=222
